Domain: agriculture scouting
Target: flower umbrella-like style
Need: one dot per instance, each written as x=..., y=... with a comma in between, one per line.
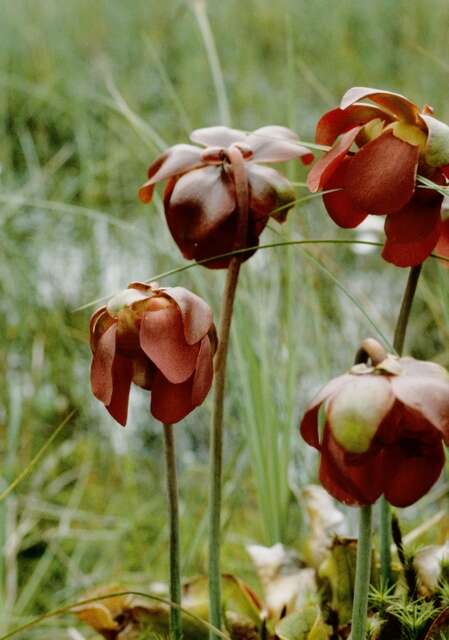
x=200, y=200
x=162, y=340
x=380, y=429
x=377, y=152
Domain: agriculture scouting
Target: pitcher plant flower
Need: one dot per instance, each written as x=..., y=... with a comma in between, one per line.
x=163, y=340
x=380, y=429
x=200, y=200
x=378, y=148
x=160, y=339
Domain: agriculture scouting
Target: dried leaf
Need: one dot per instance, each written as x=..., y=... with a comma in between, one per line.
x=287, y=584
x=325, y=522
x=427, y=563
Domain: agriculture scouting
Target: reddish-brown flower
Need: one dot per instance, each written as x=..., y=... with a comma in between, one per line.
x=377, y=151
x=380, y=430
x=200, y=196
x=162, y=340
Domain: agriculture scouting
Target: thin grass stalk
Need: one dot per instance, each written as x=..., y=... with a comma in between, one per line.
x=199, y=9
x=216, y=447
x=398, y=344
x=363, y=574
x=173, y=502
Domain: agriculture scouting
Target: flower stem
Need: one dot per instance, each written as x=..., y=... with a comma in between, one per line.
x=363, y=574
x=398, y=344
x=406, y=306
x=175, y=574
x=216, y=453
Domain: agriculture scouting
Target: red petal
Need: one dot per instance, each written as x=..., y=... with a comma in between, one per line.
x=442, y=246
x=99, y=323
x=176, y=160
x=413, y=232
x=277, y=144
x=338, y=204
x=218, y=136
x=204, y=372
x=101, y=377
x=337, y=121
x=309, y=423
x=413, y=464
x=195, y=312
x=118, y=406
x=171, y=403
x=351, y=484
x=425, y=390
x=162, y=339
x=328, y=163
x=199, y=202
x=381, y=176
x=403, y=108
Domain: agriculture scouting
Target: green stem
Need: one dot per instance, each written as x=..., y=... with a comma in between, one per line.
x=406, y=306
x=175, y=574
x=398, y=344
x=216, y=447
x=363, y=574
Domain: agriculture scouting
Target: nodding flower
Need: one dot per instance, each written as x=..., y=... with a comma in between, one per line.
x=380, y=429
x=377, y=150
x=201, y=200
x=161, y=339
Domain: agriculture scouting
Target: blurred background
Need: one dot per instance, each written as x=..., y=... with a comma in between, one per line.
x=90, y=93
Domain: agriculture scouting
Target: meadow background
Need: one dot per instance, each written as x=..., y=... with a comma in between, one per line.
x=90, y=93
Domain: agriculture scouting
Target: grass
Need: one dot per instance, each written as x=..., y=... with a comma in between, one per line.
x=90, y=93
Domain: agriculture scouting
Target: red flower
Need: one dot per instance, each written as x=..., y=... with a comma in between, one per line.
x=377, y=151
x=380, y=430
x=200, y=196
x=163, y=340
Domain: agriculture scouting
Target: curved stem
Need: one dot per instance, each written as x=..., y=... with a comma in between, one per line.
x=406, y=307
x=216, y=454
x=175, y=574
x=363, y=574
x=398, y=344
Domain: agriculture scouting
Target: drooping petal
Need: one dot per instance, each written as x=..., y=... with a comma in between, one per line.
x=399, y=105
x=200, y=201
x=270, y=193
x=99, y=323
x=175, y=161
x=309, y=422
x=101, y=376
x=338, y=121
x=414, y=463
x=437, y=149
x=122, y=373
x=424, y=389
x=359, y=485
x=413, y=232
x=338, y=204
x=381, y=176
x=195, y=313
x=218, y=136
x=327, y=164
x=171, y=403
x=277, y=144
x=204, y=372
x=163, y=341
